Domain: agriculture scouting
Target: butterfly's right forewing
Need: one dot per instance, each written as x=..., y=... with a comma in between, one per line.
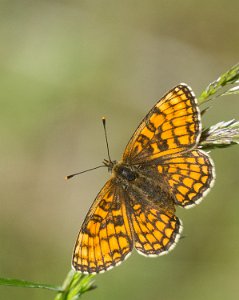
x=105, y=238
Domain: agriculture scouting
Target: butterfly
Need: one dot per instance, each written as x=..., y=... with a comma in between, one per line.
x=162, y=167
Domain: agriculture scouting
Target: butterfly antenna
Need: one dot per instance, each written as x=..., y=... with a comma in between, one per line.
x=72, y=175
x=101, y=166
x=106, y=138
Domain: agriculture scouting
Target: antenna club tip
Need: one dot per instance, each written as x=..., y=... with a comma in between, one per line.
x=67, y=177
x=103, y=119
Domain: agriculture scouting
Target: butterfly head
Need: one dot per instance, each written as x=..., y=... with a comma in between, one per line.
x=109, y=164
x=121, y=170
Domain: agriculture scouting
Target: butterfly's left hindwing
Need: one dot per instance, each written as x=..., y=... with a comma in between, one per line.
x=189, y=176
x=105, y=237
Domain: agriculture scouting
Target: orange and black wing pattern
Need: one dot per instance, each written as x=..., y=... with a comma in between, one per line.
x=172, y=126
x=105, y=238
x=155, y=232
x=189, y=176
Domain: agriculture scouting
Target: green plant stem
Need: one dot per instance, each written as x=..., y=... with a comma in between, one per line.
x=75, y=285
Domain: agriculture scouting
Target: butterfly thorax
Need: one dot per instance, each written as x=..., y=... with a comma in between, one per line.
x=141, y=184
x=124, y=172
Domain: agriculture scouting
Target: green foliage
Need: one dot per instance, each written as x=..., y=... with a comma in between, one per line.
x=226, y=84
x=28, y=284
x=75, y=285
x=222, y=134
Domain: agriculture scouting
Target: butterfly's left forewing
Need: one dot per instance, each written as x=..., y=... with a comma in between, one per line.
x=105, y=238
x=172, y=126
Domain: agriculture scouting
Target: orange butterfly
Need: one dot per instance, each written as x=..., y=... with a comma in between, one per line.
x=161, y=167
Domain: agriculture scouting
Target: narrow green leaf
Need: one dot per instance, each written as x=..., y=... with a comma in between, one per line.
x=27, y=284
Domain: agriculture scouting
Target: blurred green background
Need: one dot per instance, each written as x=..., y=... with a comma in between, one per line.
x=64, y=65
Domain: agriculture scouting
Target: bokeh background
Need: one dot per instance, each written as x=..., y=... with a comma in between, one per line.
x=64, y=65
